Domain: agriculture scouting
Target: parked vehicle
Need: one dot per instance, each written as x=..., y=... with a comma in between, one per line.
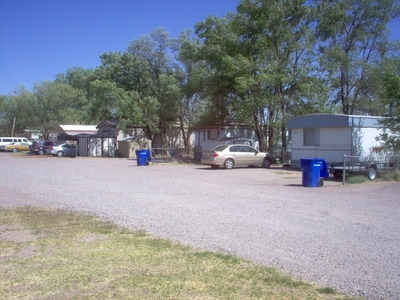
x=40, y=147
x=8, y=140
x=229, y=156
x=63, y=149
x=368, y=166
x=15, y=147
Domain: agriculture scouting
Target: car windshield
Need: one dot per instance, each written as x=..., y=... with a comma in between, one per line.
x=220, y=148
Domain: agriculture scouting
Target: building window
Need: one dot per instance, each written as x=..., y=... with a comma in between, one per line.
x=213, y=134
x=311, y=137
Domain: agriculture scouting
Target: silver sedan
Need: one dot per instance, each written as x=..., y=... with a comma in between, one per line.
x=229, y=156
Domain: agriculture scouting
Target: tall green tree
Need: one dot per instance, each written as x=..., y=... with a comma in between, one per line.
x=80, y=79
x=190, y=72
x=53, y=104
x=391, y=98
x=353, y=39
x=279, y=44
x=156, y=50
x=261, y=62
x=16, y=111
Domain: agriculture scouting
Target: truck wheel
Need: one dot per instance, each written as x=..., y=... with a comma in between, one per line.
x=41, y=152
x=371, y=173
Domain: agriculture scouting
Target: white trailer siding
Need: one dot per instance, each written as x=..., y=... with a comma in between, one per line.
x=333, y=143
x=332, y=136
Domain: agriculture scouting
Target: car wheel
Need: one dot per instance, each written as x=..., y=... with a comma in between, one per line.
x=60, y=153
x=371, y=173
x=14, y=150
x=41, y=152
x=266, y=163
x=229, y=163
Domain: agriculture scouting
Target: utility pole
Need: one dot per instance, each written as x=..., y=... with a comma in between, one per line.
x=13, y=127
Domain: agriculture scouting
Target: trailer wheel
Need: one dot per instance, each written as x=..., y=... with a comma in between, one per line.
x=371, y=173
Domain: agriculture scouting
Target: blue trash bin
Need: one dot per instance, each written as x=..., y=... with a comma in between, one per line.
x=143, y=157
x=313, y=169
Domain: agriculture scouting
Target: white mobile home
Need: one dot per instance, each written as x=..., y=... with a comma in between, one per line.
x=331, y=136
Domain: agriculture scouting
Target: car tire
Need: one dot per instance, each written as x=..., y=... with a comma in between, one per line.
x=371, y=173
x=60, y=154
x=41, y=152
x=14, y=150
x=229, y=163
x=266, y=163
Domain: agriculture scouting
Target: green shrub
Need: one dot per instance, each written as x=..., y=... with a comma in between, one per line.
x=393, y=175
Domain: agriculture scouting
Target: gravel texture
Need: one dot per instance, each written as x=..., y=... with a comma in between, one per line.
x=345, y=237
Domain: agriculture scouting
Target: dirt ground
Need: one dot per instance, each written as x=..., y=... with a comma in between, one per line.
x=343, y=236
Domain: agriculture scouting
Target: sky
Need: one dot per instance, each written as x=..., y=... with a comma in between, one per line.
x=42, y=38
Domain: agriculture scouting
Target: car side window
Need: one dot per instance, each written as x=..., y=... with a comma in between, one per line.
x=234, y=149
x=248, y=149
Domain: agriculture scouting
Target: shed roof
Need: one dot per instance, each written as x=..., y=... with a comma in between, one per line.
x=331, y=120
x=73, y=130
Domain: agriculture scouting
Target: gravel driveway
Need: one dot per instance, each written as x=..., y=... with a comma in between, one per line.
x=346, y=237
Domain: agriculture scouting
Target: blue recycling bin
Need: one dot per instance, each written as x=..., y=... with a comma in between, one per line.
x=143, y=157
x=313, y=169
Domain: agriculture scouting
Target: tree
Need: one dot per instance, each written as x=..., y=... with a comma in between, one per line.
x=391, y=97
x=353, y=39
x=261, y=62
x=52, y=105
x=155, y=51
x=16, y=111
x=190, y=72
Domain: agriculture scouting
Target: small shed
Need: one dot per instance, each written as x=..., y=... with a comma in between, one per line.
x=127, y=147
x=100, y=140
x=330, y=136
x=72, y=132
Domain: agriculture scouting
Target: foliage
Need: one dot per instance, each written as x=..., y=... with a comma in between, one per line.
x=353, y=39
x=53, y=104
x=266, y=63
x=261, y=62
x=16, y=111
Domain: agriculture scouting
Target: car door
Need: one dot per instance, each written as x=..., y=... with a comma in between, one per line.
x=69, y=149
x=236, y=154
x=251, y=157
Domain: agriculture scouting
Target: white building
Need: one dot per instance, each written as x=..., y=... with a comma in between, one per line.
x=330, y=136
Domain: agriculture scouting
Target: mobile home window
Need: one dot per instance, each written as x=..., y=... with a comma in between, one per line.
x=311, y=137
x=213, y=134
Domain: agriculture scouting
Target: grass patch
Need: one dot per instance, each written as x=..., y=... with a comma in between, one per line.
x=53, y=254
x=353, y=179
x=393, y=175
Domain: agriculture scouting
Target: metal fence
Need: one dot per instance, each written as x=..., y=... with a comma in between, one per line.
x=170, y=154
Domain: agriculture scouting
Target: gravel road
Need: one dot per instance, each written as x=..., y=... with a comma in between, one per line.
x=346, y=237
